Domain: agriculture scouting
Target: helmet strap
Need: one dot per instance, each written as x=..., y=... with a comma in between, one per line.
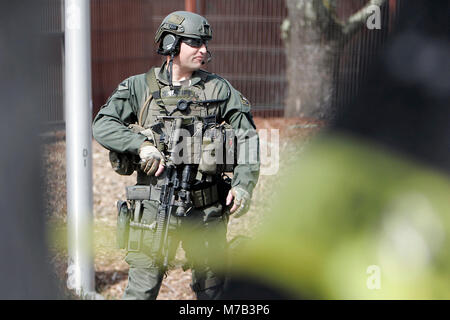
x=172, y=55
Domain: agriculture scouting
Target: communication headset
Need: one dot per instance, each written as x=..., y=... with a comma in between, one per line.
x=169, y=45
x=209, y=57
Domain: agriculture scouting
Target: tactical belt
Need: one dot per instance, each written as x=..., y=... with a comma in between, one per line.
x=200, y=198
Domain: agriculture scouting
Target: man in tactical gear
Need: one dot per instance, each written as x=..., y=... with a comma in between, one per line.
x=141, y=123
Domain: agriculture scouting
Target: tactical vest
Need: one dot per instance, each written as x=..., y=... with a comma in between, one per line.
x=198, y=114
x=163, y=101
x=197, y=111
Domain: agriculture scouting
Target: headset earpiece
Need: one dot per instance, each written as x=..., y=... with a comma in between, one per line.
x=169, y=45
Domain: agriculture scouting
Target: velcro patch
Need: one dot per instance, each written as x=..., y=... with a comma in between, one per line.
x=123, y=85
x=175, y=19
x=245, y=101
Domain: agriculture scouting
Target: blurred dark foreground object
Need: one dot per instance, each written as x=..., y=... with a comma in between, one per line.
x=24, y=269
x=405, y=102
x=366, y=211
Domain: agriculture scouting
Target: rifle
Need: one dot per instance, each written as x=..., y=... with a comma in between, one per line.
x=171, y=183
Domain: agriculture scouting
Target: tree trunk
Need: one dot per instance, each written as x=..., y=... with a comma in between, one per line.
x=310, y=60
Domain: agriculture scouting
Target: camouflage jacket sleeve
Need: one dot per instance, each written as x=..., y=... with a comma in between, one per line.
x=110, y=127
x=236, y=112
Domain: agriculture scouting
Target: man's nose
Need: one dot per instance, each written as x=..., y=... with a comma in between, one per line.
x=203, y=49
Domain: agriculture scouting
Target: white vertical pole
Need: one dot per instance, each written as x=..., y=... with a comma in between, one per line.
x=78, y=117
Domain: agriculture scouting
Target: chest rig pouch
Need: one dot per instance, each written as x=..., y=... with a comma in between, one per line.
x=202, y=140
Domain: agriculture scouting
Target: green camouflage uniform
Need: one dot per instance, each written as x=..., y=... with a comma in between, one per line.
x=111, y=130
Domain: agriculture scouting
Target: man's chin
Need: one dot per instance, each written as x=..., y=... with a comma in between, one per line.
x=193, y=67
x=197, y=65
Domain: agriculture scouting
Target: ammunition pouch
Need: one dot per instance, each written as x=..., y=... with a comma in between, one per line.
x=129, y=223
x=218, y=151
x=140, y=192
x=122, y=163
x=211, y=143
x=205, y=197
x=229, y=149
x=126, y=163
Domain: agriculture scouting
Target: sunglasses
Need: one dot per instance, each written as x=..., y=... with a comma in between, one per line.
x=195, y=43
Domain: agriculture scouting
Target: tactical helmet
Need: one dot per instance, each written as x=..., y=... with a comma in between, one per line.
x=184, y=24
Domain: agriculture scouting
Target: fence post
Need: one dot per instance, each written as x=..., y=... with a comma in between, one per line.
x=78, y=118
